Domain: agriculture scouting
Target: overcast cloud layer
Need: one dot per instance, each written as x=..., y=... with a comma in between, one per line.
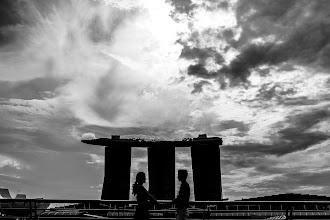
x=254, y=72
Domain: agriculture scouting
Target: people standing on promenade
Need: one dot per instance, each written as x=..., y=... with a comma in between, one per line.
x=142, y=197
x=182, y=200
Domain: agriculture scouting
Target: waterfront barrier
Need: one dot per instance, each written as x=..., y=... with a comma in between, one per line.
x=124, y=209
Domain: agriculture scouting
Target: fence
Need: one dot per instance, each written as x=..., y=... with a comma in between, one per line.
x=119, y=209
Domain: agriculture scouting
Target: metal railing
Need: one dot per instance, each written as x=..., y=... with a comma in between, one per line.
x=124, y=209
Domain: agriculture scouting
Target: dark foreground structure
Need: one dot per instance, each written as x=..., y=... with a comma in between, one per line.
x=206, y=210
x=205, y=156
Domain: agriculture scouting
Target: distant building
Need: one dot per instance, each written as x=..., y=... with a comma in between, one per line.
x=289, y=197
x=19, y=208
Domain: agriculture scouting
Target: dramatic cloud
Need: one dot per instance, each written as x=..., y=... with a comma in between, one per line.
x=182, y=6
x=38, y=88
x=268, y=34
x=255, y=73
x=5, y=161
x=198, y=87
x=295, y=137
x=96, y=160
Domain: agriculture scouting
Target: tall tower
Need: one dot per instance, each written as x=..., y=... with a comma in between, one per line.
x=161, y=168
x=117, y=171
x=206, y=170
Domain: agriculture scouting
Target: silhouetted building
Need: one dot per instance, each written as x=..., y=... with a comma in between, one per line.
x=161, y=167
x=117, y=170
x=289, y=197
x=205, y=155
x=206, y=170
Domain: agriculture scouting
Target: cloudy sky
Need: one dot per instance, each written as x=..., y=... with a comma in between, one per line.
x=254, y=72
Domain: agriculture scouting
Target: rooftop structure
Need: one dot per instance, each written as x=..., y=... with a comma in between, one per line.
x=202, y=140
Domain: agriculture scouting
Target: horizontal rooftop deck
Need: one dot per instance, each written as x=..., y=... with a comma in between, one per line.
x=188, y=142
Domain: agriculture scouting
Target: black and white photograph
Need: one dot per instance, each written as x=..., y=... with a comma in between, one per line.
x=165, y=109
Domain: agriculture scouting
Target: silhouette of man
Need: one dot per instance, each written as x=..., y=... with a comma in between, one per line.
x=182, y=200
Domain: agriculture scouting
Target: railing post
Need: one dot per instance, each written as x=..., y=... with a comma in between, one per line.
x=35, y=209
x=30, y=205
x=118, y=210
x=203, y=213
x=286, y=212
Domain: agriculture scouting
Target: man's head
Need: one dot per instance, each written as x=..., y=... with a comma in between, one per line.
x=182, y=175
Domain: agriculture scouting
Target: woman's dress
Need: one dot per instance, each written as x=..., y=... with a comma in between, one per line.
x=142, y=209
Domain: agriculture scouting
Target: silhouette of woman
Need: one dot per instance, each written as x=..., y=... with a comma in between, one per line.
x=143, y=198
